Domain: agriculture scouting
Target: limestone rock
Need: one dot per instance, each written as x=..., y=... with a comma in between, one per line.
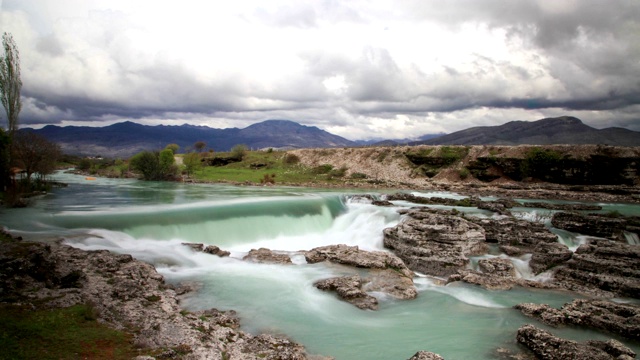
x=435, y=243
x=547, y=346
x=263, y=255
x=515, y=232
x=353, y=256
x=497, y=266
x=621, y=319
x=349, y=288
x=426, y=355
x=548, y=255
x=600, y=226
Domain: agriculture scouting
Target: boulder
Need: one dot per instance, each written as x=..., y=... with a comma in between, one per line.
x=267, y=256
x=214, y=250
x=547, y=346
x=349, y=288
x=607, y=316
x=435, y=242
x=353, y=256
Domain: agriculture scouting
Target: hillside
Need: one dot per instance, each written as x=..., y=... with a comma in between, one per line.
x=127, y=138
x=549, y=131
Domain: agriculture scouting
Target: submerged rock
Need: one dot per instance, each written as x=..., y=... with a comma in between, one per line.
x=209, y=249
x=435, y=243
x=620, y=319
x=549, y=347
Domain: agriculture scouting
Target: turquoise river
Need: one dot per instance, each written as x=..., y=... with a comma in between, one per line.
x=150, y=220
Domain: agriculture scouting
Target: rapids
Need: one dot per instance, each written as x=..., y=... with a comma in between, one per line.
x=151, y=220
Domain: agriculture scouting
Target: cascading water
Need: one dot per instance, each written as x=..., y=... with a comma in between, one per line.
x=152, y=220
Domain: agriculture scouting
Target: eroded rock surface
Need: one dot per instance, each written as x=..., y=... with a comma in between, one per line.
x=548, y=255
x=435, y=242
x=267, y=256
x=607, y=316
x=426, y=355
x=549, y=347
x=593, y=225
x=349, y=288
x=128, y=294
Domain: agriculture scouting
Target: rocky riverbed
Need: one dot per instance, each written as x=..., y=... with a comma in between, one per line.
x=130, y=295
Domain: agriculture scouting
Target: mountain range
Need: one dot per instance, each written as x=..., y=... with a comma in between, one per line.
x=560, y=130
x=128, y=138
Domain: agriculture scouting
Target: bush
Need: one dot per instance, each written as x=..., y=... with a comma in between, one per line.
x=358, y=175
x=337, y=172
x=291, y=159
x=239, y=151
x=322, y=169
x=464, y=173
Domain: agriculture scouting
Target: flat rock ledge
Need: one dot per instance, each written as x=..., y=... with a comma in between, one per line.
x=130, y=295
x=549, y=347
x=602, y=315
x=385, y=273
x=435, y=242
x=266, y=256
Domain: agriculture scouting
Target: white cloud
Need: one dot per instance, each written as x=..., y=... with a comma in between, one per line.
x=361, y=69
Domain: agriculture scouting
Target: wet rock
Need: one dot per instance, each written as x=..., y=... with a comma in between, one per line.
x=603, y=266
x=125, y=293
x=515, y=232
x=214, y=250
x=267, y=256
x=614, y=348
x=593, y=225
x=435, y=243
x=548, y=255
x=497, y=266
x=621, y=319
x=386, y=272
x=353, y=256
x=563, y=207
x=487, y=281
x=547, y=346
x=349, y=288
x=426, y=355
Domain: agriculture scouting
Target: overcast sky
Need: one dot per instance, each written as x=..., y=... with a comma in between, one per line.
x=359, y=69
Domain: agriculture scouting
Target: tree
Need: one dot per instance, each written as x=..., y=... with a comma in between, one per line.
x=191, y=162
x=10, y=83
x=173, y=147
x=199, y=145
x=154, y=165
x=34, y=154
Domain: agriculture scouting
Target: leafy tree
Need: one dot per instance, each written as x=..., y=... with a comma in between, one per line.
x=34, y=153
x=173, y=147
x=239, y=151
x=199, y=145
x=10, y=83
x=192, y=162
x=154, y=165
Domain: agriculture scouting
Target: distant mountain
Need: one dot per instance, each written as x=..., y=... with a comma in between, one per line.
x=128, y=138
x=395, y=142
x=560, y=130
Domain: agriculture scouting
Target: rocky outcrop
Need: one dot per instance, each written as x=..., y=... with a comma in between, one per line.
x=209, y=249
x=563, y=207
x=593, y=225
x=607, y=316
x=497, y=266
x=511, y=232
x=349, y=288
x=267, y=256
x=125, y=294
x=426, y=355
x=548, y=255
x=385, y=273
x=607, y=267
x=549, y=347
x=434, y=242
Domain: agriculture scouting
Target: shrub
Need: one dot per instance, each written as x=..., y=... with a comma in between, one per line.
x=268, y=179
x=239, y=151
x=322, y=169
x=291, y=159
x=337, y=172
x=464, y=173
x=358, y=175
